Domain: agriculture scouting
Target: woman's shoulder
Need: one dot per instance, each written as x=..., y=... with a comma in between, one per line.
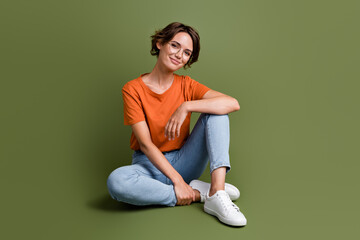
x=184, y=78
x=132, y=85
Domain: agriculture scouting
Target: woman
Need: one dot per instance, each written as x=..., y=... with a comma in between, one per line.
x=167, y=160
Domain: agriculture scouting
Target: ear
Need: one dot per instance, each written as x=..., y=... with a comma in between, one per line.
x=158, y=45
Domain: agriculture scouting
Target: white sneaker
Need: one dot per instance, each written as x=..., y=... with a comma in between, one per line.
x=221, y=206
x=203, y=188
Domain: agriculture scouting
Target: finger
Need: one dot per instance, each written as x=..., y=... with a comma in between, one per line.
x=173, y=129
x=192, y=194
x=190, y=199
x=178, y=130
x=168, y=131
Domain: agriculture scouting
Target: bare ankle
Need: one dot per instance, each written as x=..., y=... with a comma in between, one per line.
x=213, y=190
x=197, y=196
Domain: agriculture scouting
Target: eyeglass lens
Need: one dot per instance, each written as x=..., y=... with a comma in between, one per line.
x=175, y=47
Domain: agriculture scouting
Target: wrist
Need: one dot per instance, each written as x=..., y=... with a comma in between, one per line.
x=177, y=180
x=185, y=107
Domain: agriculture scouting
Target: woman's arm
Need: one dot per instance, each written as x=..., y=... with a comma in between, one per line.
x=142, y=134
x=184, y=193
x=213, y=102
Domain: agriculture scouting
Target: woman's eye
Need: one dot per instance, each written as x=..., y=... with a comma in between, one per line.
x=187, y=53
x=174, y=45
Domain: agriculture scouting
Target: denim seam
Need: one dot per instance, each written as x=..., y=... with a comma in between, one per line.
x=210, y=150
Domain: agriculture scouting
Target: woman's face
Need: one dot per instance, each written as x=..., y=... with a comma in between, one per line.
x=177, y=52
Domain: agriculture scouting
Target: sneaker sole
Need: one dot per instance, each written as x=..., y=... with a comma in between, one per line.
x=224, y=220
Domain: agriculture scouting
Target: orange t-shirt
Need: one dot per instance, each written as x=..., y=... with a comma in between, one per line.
x=141, y=103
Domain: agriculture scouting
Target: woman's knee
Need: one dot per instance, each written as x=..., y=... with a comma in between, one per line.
x=118, y=182
x=215, y=118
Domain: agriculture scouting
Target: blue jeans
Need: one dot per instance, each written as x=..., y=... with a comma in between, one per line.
x=143, y=184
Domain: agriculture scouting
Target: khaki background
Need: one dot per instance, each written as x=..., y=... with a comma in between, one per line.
x=292, y=65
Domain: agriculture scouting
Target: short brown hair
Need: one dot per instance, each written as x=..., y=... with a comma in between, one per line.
x=165, y=35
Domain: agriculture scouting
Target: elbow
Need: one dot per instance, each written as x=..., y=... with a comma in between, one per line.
x=144, y=147
x=236, y=105
x=232, y=107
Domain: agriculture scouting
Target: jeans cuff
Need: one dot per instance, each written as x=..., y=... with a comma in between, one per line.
x=228, y=167
x=173, y=203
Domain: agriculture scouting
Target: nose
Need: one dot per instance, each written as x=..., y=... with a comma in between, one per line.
x=179, y=54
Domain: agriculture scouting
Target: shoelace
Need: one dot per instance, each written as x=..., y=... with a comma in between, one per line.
x=227, y=203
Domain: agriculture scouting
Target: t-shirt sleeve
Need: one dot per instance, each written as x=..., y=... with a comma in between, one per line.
x=196, y=89
x=133, y=110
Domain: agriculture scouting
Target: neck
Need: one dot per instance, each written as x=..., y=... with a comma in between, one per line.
x=161, y=76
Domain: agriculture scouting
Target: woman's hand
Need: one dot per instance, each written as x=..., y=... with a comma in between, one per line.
x=176, y=120
x=185, y=195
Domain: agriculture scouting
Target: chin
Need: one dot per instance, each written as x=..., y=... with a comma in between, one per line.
x=177, y=68
x=173, y=67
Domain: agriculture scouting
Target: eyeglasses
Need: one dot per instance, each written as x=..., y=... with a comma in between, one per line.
x=175, y=48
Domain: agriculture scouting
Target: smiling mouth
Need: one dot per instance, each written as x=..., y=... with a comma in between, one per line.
x=174, y=61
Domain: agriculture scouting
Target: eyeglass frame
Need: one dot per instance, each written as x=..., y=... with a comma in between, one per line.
x=188, y=50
